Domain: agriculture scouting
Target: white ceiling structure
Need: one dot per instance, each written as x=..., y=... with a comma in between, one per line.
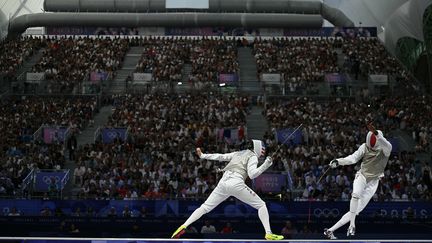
x=393, y=18
x=10, y=9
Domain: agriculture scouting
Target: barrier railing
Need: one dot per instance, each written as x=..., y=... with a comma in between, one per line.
x=26, y=183
x=97, y=134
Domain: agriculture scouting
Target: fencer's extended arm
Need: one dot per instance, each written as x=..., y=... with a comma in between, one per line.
x=252, y=167
x=353, y=158
x=220, y=157
x=384, y=144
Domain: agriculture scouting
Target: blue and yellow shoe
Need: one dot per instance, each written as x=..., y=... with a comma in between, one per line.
x=181, y=230
x=273, y=237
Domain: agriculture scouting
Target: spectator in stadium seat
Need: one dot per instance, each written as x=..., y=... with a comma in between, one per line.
x=227, y=229
x=288, y=230
x=112, y=213
x=77, y=213
x=46, y=212
x=73, y=229
x=72, y=146
x=53, y=188
x=126, y=212
x=14, y=212
x=208, y=228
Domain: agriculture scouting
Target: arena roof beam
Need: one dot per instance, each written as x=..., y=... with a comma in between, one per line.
x=333, y=15
x=251, y=20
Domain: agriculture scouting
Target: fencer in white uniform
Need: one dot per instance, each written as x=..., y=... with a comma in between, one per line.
x=242, y=164
x=374, y=154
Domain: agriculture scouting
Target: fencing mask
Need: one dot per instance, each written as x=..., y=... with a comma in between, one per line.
x=258, y=147
x=371, y=139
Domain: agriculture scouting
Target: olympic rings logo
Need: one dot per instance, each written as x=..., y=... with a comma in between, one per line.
x=326, y=212
x=112, y=134
x=47, y=179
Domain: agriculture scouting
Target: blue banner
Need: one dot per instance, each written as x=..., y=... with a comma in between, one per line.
x=54, y=134
x=46, y=179
x=228, y=209
x=270, y=183
x=96, y=77
x=347, y=32
x=110, y=134
x=283, y=136
x=229, y=79
x=335, y=78
x=395, y=144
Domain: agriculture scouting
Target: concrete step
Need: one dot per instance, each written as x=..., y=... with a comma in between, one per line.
x=27, y=66
x=134, y=55
x=136, y=50
x=248, y=71
x=186, y=71
x=256, y=123
x=129, y=65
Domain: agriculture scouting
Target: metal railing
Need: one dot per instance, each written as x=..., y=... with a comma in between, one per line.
x=26, y=184
x=97, y=134
x=63, y=182
x=38, y=134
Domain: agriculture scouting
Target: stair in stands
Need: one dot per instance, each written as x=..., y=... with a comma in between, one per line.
x=186, y=71
x=129, y=64
x=256, y=123
x=248, y=71
x=27, y=66
x=86, y=137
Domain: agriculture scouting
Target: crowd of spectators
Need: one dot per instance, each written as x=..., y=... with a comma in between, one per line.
x=365, y=56
x=165, y=58
x=410, y=113
x=158, y=158
x=331, y=130
x=20, y=118
x=69, y=61
x=211, y=57
x=13, y=52
x=300, y=62
x=368, y=56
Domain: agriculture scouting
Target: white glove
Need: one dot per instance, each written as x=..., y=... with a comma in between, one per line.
x=268, y=161
x=334, y=163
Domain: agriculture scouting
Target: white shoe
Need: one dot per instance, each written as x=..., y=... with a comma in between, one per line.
x=351, y=231
x=329, y=234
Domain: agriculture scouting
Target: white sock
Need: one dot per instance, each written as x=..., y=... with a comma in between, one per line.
x=265, y=219
x=195, y=216
x=353, y=210
x=345, y=219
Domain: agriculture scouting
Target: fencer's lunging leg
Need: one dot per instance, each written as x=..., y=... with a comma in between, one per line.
x=246, y=195
x=216, y=197
x=195, y=216
x=265, y=219
x=353, y=208
x=345, y=219
x=358, y=188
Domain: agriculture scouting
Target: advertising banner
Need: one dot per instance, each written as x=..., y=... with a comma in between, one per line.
x=110, y=134
x=54, y=134
x=270, y=183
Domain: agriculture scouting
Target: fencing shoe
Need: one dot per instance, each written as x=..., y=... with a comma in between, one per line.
x=273, y=237
x=329, y=234
x=351, y=231
x=181, y=230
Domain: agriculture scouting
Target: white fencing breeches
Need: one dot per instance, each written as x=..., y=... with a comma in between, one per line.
x=232, y=184
x=364, y=190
